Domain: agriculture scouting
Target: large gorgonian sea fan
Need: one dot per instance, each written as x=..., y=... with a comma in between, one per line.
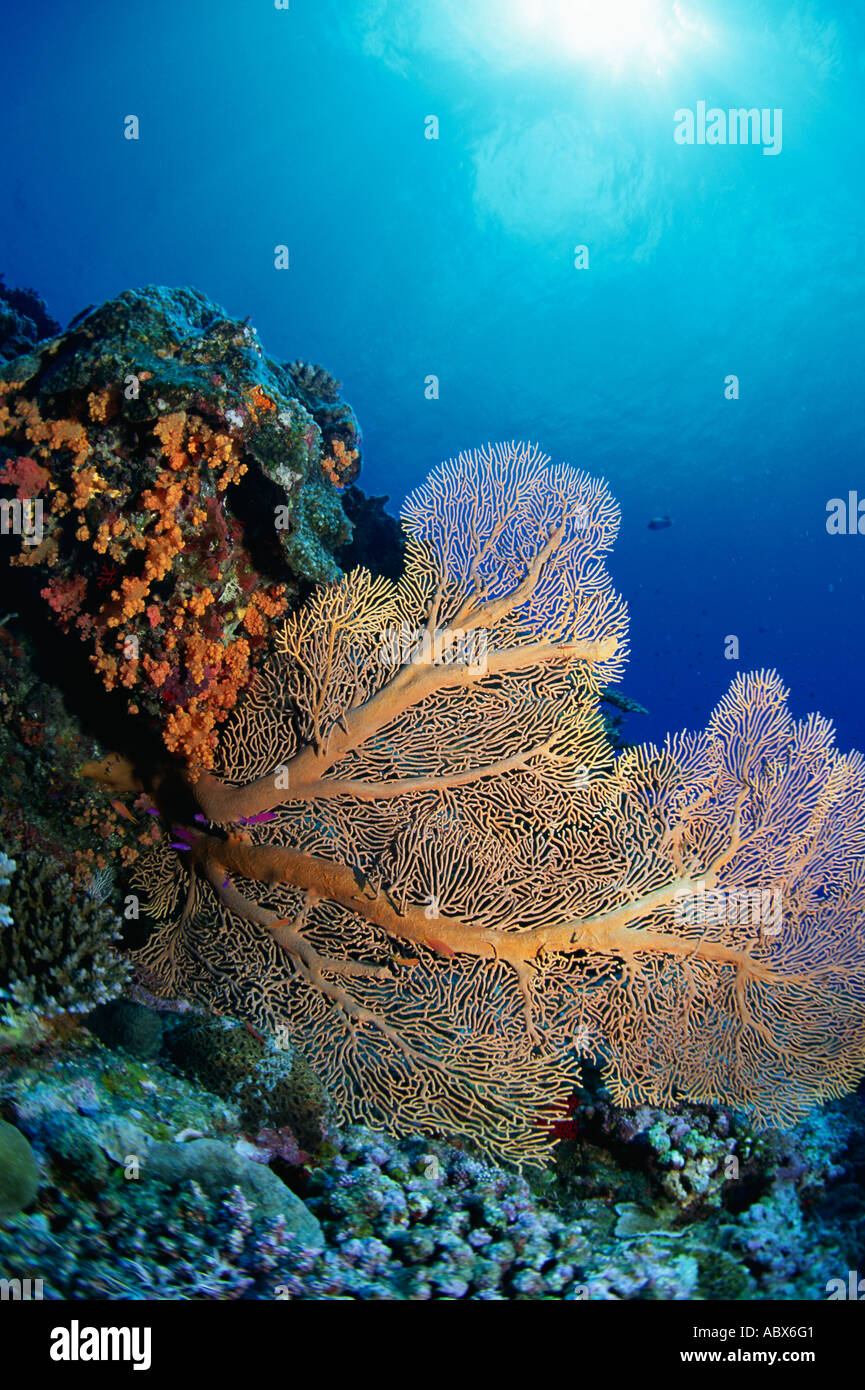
x=458, y=890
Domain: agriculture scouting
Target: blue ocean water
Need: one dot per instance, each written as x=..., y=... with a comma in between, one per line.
x=455, y=257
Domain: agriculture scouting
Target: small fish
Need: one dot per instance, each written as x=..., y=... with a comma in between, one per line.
x=257, y=820
x=441, y=946
x=123, y=811
x=659, y=523
x=178, y=844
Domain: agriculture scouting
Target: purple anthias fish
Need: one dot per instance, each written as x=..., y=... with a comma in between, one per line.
x=257, y=820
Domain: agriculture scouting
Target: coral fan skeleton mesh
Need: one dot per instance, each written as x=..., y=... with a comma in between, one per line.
x=460, y=890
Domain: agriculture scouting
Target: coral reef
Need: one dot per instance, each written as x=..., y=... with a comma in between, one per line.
x=420, y=1220
x=58, y=950
x=191, y=1247
x=314, y=381
x=680, y=1163
x=131, y=1204
x=172, y=490
x=19, y=1172
x=75, y=831
x=341, y=439
x=435, y=872
x=126, y=1024
x=451, y=904
x=410, y=1219
x=273, y=1086
x=24, y=321
x=378, y=541
x=772, y=1214
x=216, y=1169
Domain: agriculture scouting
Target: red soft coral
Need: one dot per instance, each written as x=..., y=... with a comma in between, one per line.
x=29, y=477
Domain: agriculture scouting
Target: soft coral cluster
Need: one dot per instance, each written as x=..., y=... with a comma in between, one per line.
x=138, y=429
x=26, y=476
x=172, y=542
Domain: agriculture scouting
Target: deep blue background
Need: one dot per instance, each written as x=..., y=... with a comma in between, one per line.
x=455, y=257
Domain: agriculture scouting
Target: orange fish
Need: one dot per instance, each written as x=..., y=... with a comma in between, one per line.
x=441, y=946
x=115, y=772
x=123, y=811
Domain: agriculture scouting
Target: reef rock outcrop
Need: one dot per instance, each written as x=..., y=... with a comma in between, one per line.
x=169, y=490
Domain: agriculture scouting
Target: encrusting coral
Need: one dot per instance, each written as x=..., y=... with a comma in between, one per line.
x=273, y=1086
x=423, y=857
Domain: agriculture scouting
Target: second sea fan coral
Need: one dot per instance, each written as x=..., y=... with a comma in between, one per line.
x=425, y=860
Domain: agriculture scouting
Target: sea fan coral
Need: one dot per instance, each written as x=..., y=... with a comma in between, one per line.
x=426, y=861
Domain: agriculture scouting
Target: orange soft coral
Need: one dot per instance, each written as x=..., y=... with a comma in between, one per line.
x=257, y=400
x=340, y=465
x=170, y=430
x=103, y=404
